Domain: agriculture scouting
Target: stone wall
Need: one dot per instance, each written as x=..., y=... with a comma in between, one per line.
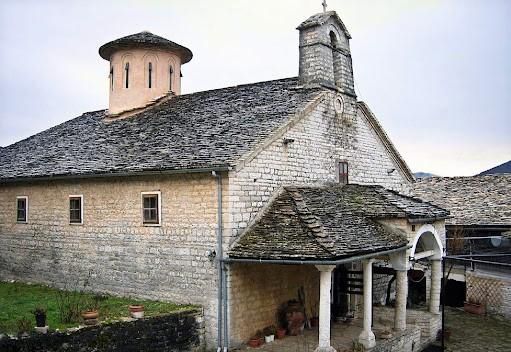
x=113, y=249
x=428, y=323
x=493, y=290
x=182, y=331
x=405, y=341
x=259, y=289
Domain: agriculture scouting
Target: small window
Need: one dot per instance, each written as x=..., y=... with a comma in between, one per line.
x=171, y=72
x=112, y=78
x=127, y=74
x=22, y=209
x=150, y=69
x=151, y=208
x=76, y=209
x=343, y=172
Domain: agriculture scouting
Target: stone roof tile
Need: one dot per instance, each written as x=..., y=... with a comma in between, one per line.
x=329, y=222
x=201, y=130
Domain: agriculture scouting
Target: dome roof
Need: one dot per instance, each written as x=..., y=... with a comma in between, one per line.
x=144, y=40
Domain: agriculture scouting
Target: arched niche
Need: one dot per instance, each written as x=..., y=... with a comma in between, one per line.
x=427, y=244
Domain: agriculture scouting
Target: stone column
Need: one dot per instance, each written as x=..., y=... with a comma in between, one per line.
x=366, y=337
x=401, y=295
x=436, y=284
x=325, y=287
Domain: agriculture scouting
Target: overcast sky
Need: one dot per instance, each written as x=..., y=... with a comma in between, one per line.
x=436, y=73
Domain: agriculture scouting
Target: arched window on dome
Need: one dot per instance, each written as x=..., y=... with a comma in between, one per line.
x=111, y=77
x=127, y=74
x=150, y=74
x=171, y=72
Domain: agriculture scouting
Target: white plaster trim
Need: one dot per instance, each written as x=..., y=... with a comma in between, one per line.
x=81, y=209
x=425, y=229
x=26, y=209
x=142, y=194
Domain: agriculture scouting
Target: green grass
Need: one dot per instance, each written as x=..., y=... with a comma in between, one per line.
x=18, y=300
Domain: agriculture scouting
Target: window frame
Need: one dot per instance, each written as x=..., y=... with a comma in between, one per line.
x=158, y=207
x=339, y=164
x=26, y=209
x=74, y=196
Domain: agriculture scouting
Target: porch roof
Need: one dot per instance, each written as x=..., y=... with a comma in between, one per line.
x=330, y=222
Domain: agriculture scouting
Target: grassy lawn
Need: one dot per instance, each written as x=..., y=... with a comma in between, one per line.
x=19, y=300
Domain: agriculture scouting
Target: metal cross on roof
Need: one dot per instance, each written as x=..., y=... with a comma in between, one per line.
x=324, y=5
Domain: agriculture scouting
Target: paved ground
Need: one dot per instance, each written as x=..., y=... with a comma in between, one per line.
x=477, y=333
x=469, y=333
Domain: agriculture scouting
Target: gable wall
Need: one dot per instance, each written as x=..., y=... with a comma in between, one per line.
x=320, y=138
x=124, y=257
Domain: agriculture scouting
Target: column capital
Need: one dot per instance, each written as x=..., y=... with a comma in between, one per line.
x=368, y=261
x=325, y=268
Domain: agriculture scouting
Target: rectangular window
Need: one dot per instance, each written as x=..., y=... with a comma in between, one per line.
x=22, y=209
x=343, y=172
x=151, y=208
x=76, y=209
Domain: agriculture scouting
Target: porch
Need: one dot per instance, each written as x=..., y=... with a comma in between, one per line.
x=342, y=337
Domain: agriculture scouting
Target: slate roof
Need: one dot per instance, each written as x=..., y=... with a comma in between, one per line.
x=144, y=40
x=473, y=200
x=201, y=130
x=330, y=222
x=320, y=18
x=504, y=168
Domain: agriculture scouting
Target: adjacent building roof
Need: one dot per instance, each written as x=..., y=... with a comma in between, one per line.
x=330, y=222
x=474, y=200
x=144, y=40
x=504, y=168
x=187, y=132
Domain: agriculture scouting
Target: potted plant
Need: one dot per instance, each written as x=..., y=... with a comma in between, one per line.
x=281, y=333
x=91, y=314
x=40, y=320
x=474, y=307
x=256, y=340
x=269, y=333
x=136, y=311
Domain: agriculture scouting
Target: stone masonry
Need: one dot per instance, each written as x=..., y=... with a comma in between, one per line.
x=122, y=256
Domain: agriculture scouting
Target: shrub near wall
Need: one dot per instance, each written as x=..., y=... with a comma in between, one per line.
x=180, y=331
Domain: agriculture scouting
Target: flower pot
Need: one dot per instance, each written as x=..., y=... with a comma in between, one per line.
x=137, y=311
x=255, y=342
x=40, y=319
x=281, y=333
x=269, y=338
x=90, y=314
x=474, y=308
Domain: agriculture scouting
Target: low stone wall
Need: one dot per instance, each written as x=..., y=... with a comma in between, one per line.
x=494, y=290
x=428, y=323
x=406, y=341
x=180, y=331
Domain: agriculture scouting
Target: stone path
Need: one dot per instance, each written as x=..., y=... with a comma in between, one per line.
x=477, y=333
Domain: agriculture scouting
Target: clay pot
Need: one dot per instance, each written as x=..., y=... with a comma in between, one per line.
x=281, y=333
x=137, y=311
x=474, y=308
x=255, y=342
x=90, y=314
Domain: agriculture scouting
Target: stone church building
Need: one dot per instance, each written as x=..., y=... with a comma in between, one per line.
x=233, y=199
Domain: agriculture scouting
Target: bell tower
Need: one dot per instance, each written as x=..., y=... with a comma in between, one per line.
x=325, y=57
x=143, y=68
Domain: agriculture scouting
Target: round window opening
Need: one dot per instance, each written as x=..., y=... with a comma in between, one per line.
x=339, y=106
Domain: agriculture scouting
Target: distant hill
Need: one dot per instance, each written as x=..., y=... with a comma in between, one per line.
x=421, y=174
x=504, y=168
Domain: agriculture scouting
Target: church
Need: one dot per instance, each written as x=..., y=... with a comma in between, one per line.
x=233, y=199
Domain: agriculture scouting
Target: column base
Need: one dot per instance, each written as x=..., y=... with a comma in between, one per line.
x=367, y=339
x=325, y=349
